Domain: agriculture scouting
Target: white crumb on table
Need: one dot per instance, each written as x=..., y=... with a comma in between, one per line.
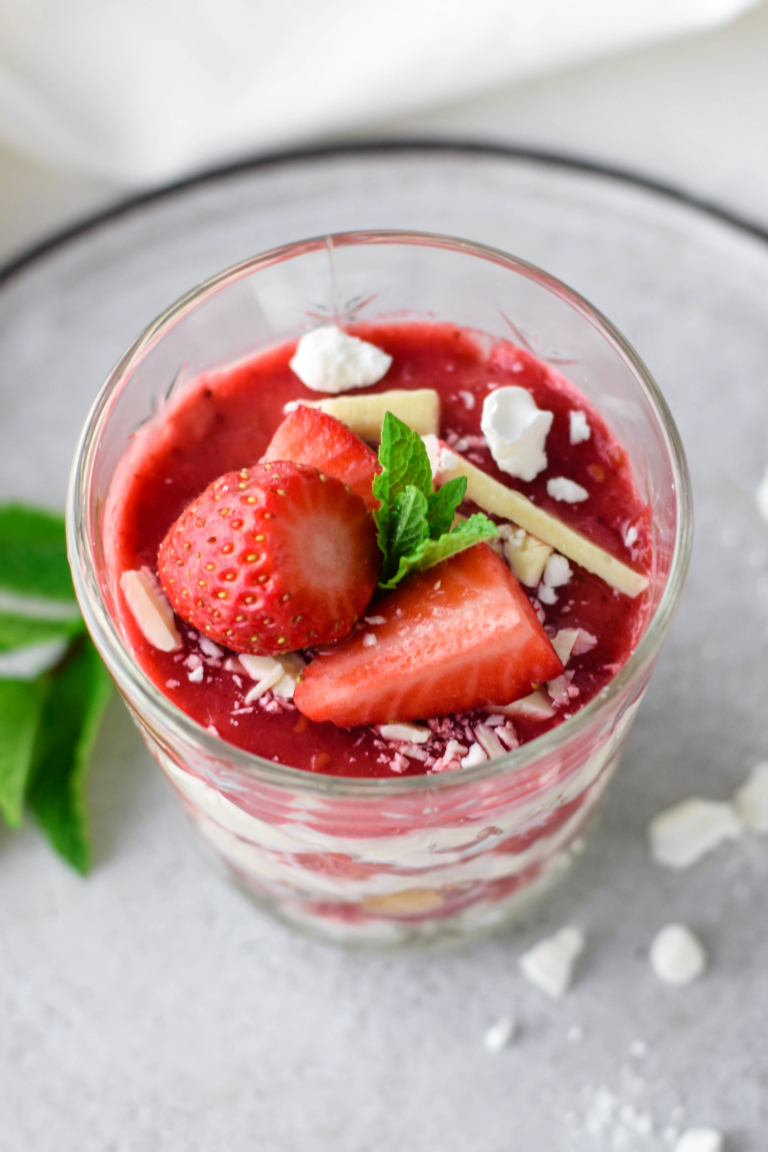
x=575, y=1034
x=681, y=835
x=700, y=1140
x=751, y=800
x=500, y=1034
x=328, y=359
x=761, y=496
x=550, y=963
x=677, y=956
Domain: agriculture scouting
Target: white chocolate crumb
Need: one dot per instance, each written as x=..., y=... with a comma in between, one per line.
x=549, y=964
x=410, y=732
x=700, y=1140
x=475, y=756
x=208, y=648
x=677, y=956
x=196, y=675
x=500, y=1034
x=150, y=609
x=681, y=835
x=751, y=800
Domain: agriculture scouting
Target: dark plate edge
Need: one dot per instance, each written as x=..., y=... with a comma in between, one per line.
x=543, y=156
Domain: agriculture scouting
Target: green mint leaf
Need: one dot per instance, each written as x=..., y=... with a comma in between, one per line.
x=17, y=631
x=467, y=533
x=78, y=692
x=20, y=705
x=405, y=463
x=34, y=553
x=408, y=525
x=443, y=505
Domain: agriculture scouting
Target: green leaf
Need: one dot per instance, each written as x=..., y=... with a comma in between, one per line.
x=469, y=532
x=443, y=505
x=408, y=525
x=77, y=696
x=405, y=463
x=34, y=553
x=17, y=631
x=20, y=706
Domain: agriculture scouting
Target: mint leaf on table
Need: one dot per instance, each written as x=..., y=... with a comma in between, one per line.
x=17, y=630
x=413, y=521
x=34, y=553
x=77, y=694
x=20, y=706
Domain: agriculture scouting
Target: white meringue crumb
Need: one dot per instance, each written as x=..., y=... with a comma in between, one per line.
x=575, y=1034
x=557, y=571
x=516, y=431
x=751, y=800
x=700, y=1140
x=549, y=964
x=410, y=732
x=330, y=360
x=547, y=595
x=568, y=491
x=475, y=756
x=681, y=835
x=150, y=609
x=500, y=1034
x=579, y=427
x=676, y=955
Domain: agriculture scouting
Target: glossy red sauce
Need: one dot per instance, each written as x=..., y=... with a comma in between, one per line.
x=223, y=420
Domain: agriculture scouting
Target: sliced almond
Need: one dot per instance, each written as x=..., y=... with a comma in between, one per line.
x=150, y=609
x=537, y=706
x=499, y=500
x=364, y=415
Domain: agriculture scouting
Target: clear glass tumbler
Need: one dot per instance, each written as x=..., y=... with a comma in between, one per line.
x=407, y=858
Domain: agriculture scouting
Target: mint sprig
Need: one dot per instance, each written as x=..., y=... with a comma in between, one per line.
x=48, y=723
x=414, y=522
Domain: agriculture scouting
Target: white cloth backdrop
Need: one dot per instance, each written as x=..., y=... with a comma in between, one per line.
x=139, y=91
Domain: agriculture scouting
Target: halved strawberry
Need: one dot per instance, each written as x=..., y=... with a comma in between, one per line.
x=271, y=558
x=309, y=436
x=461, y=635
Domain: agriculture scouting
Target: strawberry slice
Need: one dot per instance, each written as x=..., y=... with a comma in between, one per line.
x=309, y=436
x=271, y=558
x=461, y=635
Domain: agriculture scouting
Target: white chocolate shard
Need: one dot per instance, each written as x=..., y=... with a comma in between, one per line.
x=475, y=756
x=279, y=675
x=409, y=732
x=681, y=835
x=150, y=609
x=364, y=415
x=751, y=800
x=676, y=955
x=526, y=556
x=537, y=706
x=327, y=359
x=549, y=964
x=506, y=503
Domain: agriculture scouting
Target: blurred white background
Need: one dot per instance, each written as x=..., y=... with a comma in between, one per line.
x=99, y=98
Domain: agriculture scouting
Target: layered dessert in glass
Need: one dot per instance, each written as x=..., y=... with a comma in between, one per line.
x=379, y=536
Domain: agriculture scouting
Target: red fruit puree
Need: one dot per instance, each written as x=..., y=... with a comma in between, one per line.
x=223, y=421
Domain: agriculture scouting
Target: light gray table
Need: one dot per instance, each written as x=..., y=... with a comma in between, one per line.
x=150, y=1007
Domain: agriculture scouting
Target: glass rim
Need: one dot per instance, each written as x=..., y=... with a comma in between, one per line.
x=126, y=670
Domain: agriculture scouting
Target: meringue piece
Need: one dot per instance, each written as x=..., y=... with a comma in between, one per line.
x=681, y=835
x=330, y=360
x=751, y=800
x=516, y=431
x=549, y=964
x=500, y=1034
x=676, y=955
x=568, y=491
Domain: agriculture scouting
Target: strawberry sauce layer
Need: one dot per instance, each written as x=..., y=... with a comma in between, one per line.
x=223, y=421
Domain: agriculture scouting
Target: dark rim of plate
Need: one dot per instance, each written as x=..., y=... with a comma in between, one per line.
x=542, y=156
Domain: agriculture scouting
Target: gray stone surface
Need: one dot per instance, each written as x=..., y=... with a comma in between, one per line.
x=150, y=1007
